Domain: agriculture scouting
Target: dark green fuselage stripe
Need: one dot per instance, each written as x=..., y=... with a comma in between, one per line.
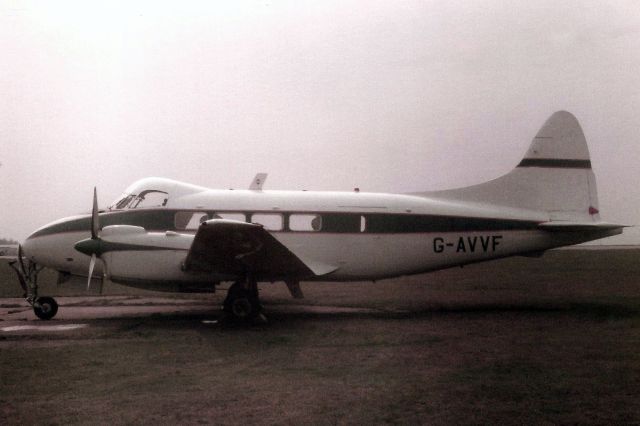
x=160, y=220
x=555, y=163
x=151, y=220
x=99, y=247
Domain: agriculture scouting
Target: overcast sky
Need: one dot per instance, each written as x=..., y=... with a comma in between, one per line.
x=322, y=95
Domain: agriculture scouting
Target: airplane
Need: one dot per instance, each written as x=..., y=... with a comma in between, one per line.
x=166, y=235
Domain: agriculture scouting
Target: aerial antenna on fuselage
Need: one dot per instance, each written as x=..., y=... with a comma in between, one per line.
x=258, y=181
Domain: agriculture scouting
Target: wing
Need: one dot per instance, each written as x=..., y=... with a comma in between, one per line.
x=231, y=247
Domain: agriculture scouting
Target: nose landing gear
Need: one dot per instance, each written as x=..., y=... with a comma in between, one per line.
x=45, y=308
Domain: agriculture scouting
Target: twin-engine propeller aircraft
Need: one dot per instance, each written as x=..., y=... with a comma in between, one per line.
x=172, y=236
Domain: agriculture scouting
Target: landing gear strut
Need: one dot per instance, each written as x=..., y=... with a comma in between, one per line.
x=45, y=308
x=242, y=301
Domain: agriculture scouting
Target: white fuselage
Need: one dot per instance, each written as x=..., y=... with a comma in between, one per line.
x=172, y=235
x=363, y=236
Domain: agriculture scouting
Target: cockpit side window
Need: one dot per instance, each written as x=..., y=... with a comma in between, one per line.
x=150, y=198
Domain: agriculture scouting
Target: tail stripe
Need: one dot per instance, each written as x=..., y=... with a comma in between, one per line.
x=555, y=163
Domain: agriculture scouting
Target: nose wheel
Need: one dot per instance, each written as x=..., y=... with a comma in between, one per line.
x=45, y=308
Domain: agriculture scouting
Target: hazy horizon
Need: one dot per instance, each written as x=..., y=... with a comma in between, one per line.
x=389, y=97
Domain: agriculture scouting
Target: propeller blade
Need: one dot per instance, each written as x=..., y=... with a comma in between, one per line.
x=92, y=264
x=95, y=220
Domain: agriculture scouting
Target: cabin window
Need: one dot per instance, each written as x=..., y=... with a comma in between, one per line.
x=335, y=222
x=240, y=217
x=270, y=221
x=305, y=222
x=189, y=221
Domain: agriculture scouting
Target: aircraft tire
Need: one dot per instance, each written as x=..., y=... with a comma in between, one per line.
x=46, y=308
x=242, y=308
x=241, y=304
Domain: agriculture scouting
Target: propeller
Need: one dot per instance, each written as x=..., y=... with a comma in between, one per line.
x=95, y=228
x=92, y=246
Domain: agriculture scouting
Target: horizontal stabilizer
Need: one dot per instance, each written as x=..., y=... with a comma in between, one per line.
x=562, y=226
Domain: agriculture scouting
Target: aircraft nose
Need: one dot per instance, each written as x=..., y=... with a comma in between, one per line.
x=52, y=244
x=29, y=249
x=37, y=249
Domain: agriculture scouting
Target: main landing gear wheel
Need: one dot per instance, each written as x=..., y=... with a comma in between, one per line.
x=242, y=302
x=45, y=308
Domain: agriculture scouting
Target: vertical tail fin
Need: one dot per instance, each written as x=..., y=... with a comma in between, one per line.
x=554, y=176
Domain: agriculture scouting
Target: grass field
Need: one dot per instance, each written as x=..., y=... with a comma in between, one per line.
x=516, y=341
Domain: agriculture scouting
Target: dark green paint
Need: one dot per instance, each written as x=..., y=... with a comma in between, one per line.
x=555, y=163
x=161, y=220
x=99, y=246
